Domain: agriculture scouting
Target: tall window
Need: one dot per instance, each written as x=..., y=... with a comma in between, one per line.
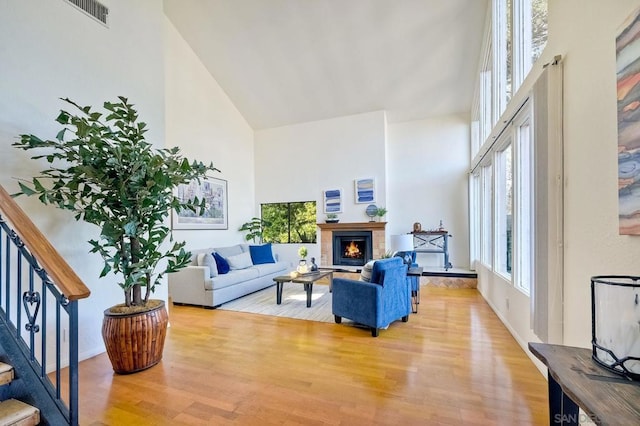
x=518, y=38
x=486, y=200
x=523, y=195
x=538, y=28
x=475, y=218
x=289, y=222
x=504, y=210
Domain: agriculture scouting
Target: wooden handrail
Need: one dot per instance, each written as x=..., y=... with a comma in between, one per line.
x=48, y=257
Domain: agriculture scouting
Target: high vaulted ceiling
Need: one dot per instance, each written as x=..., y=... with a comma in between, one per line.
x=289, y=61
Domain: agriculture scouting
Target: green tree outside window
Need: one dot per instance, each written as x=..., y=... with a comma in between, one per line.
x=290, y=222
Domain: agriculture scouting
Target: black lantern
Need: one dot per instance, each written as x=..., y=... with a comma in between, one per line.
x=615, y=324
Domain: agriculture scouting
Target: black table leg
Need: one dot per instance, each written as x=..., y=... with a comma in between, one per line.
x=309, y=288
x=279, y=286
x=562, y=410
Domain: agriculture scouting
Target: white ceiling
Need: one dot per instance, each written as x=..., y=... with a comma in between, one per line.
x=290, y=61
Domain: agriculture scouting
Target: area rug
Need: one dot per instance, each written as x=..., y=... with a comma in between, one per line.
x=294, y=303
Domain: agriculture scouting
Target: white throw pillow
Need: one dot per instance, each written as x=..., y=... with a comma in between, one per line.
x=365, y=274
x=206, y=259
x=240, y=261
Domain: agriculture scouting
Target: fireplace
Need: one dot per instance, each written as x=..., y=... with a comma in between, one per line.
x=352, y=248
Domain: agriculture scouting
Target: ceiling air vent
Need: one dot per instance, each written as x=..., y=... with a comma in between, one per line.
x=93, y=8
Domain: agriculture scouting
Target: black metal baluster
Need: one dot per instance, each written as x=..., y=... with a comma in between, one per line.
x=8, y=279
x=43, y=286
x=19, y=292
x=57, y=351
x=73, y=362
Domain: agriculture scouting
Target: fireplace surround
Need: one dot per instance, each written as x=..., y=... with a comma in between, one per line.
x=377, y=230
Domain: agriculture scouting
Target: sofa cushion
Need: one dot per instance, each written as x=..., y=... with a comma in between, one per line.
x=365, y=274
x=221, y=263
x=270, y=268
x=232, y=278
x=262, y=254
x=206, y=259
x=240, y=261
x=229, y=251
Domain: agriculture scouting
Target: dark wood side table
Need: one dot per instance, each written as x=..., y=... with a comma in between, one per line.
x=415, y=272
x=576, y=380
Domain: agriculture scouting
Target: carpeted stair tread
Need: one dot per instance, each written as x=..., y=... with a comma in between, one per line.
x=6, y=373
x=17, y=413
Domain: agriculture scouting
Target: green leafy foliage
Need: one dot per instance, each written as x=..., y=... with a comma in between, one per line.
x=254, y=229
x=290, y=222
x=109, y=175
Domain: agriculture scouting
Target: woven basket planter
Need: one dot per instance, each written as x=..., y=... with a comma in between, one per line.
x=135, y=342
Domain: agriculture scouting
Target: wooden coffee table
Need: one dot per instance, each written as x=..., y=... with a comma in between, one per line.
x=306, y=280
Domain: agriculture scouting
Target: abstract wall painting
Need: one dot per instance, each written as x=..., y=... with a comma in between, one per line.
x=365, y=190
x=332, y=200
x=214, y=192
x=628, y=96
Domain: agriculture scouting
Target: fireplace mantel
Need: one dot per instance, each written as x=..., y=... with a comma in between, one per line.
x=326, y=240
x=354, y=225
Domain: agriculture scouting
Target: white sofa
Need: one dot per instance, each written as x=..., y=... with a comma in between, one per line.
x=202, y=285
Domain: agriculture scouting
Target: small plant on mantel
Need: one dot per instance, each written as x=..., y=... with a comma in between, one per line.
x=103, y=169
x=381, y=212
x=332, y=218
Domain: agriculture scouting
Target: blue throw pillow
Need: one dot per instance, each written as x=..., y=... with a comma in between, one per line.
x=221, y=263
x=261, y=254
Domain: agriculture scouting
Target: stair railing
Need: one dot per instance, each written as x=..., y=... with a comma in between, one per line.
x=39, y=294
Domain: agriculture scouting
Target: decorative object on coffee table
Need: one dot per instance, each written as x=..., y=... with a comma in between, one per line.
x=313, y=267
x=302, y=263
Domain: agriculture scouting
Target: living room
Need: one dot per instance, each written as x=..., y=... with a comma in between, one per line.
x=420, y=166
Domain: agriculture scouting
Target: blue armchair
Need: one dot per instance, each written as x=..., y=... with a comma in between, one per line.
x=377, y=303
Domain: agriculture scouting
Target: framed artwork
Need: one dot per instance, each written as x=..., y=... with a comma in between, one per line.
x=628, y=87
x=214, y=192
x=332, y=200
x=365, y=190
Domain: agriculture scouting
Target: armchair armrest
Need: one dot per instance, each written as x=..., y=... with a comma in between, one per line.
x=359, y=301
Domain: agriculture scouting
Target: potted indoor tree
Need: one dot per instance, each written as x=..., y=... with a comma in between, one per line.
x=254, y=229
x=103, y=169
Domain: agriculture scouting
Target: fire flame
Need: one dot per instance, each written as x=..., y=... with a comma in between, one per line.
x=352, y=250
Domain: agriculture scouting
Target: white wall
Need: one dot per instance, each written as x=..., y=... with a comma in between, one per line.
x=584, y=34
x=428, y=164
x=203, y=122
x=298, y=162
x=48, y=50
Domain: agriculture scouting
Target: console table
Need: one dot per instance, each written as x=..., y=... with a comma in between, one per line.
x=575, y=379
x=433, y=242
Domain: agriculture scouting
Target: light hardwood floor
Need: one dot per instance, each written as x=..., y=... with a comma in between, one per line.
x=453, y=363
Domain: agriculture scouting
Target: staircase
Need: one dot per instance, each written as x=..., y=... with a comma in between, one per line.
x=13, y=411
x=39, y=296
